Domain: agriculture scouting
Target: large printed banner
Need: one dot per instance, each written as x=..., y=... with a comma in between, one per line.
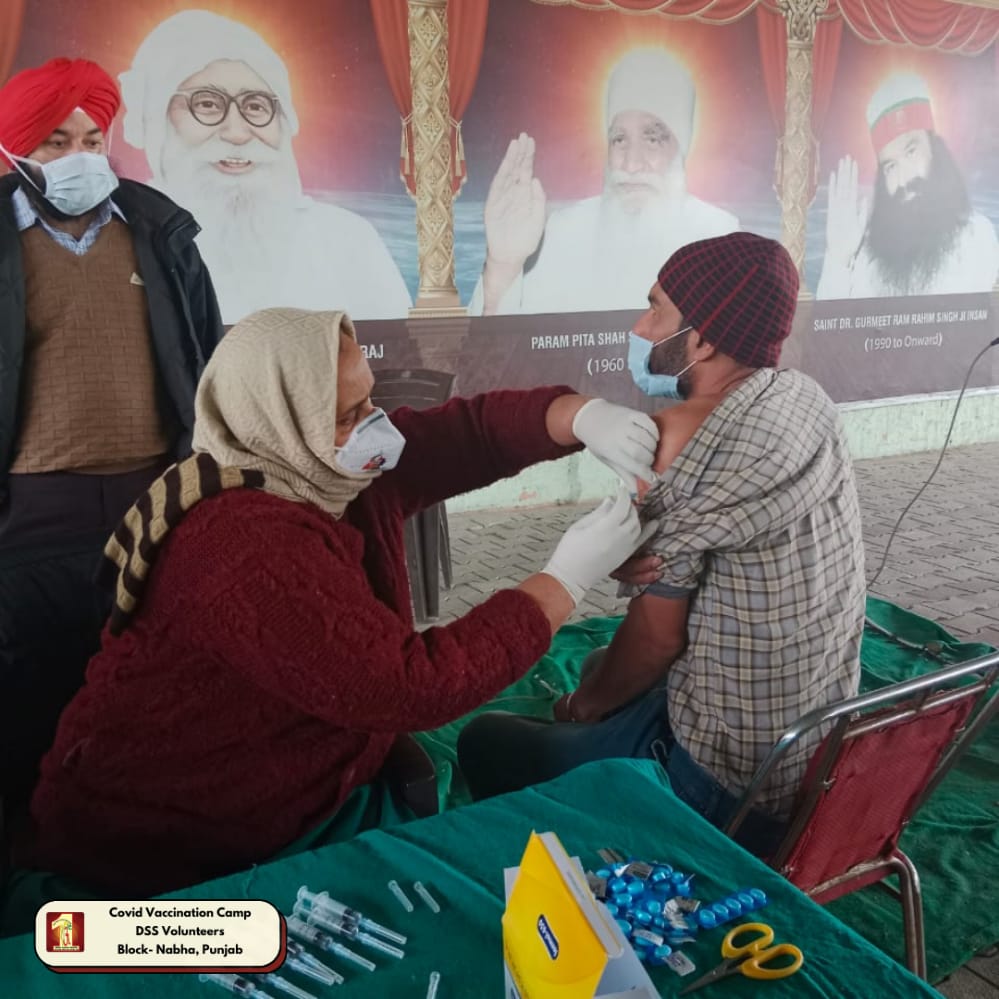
x=596, y=140
x=273, y=124
x=902, y=253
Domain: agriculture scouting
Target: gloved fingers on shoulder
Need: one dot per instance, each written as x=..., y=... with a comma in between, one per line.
x=649, y=530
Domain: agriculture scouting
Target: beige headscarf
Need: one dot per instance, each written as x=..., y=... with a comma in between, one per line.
x=267, y=401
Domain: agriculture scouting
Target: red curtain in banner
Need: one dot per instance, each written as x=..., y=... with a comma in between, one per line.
x=466, y=38
x=772, y=33
x=771, y=29
x=466, y=26
x=391, y=19
x=717, y=11
x=825, y=56
x=947, y=27
x=11, y=17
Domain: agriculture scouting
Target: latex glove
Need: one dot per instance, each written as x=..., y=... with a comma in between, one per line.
x=622, y=438
x=597, y=544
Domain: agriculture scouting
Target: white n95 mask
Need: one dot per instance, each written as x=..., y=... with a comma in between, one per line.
x=374, y=445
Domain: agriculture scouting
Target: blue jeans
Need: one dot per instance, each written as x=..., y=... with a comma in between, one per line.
x=500, y=752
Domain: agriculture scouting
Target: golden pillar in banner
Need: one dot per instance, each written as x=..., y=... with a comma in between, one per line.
x=797, y=142
x=428, y=68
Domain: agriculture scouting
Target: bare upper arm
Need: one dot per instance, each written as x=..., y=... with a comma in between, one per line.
x=654, y=630
x=677, y=425
x=649, y=640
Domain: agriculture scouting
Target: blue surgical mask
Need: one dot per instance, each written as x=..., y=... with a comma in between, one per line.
x=639, y=351
x=73, y=184
x=374, y=445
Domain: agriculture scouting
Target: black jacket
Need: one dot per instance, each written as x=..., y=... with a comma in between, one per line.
x=183, y=311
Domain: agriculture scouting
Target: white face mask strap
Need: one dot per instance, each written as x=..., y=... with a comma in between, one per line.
x=17, y=161
x=685, y=329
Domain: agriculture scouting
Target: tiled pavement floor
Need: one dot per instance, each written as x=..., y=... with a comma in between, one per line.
x=943, y=564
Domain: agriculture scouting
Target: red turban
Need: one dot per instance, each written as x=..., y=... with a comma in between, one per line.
x=37, y=101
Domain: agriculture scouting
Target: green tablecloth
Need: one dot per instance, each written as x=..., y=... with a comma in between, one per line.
x=461, y=854
x=952, y=840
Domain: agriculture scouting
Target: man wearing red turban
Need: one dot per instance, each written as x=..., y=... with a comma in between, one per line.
x=107, y=317
x=37, y=101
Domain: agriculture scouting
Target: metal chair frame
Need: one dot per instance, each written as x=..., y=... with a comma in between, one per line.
x=851, y=719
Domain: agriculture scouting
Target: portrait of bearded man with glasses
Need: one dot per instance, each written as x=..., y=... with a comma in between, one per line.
x=209, y=101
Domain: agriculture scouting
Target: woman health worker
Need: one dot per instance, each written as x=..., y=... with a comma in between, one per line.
x=261, y=659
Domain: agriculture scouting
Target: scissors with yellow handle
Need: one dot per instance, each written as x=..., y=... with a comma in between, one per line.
x=754, y=959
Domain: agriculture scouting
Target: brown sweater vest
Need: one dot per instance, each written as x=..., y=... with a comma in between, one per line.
x=89, y=384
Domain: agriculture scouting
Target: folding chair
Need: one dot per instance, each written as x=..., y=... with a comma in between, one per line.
x=428, y=542
x=887, y=752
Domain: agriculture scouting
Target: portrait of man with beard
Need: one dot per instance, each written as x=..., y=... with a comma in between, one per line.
x=595, y=254
x=922, y=235
x=209, y=101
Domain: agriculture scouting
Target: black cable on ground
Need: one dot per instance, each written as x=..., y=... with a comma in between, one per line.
x=898, y=523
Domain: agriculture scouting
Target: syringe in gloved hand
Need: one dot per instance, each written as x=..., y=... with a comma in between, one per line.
x=343, y=926
x=322, y=903
x=316, y=937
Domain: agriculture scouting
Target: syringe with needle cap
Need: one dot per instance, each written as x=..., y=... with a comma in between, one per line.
x=322, y=902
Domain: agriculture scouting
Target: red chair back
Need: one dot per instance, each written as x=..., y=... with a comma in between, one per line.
x=862, y=798
x=885, y=755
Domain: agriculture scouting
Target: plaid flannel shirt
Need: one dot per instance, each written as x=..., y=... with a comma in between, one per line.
x=760, y=525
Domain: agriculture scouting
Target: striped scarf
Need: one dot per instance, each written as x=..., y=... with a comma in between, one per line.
x=131, y=552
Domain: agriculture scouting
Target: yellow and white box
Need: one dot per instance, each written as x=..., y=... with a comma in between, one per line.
x=191, y=935
x=559, y=942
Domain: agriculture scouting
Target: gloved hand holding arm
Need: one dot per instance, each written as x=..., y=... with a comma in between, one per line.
x=623, y=439
x=588, y=551
x=597, y=544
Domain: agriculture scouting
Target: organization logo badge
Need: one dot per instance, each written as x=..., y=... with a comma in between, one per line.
x=65, y=931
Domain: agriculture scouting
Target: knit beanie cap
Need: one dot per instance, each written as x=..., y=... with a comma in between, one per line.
x=738, y=291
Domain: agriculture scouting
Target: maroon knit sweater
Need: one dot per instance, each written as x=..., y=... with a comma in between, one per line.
x=273, y=661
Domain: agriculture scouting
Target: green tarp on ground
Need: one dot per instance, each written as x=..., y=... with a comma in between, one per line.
x=953, y=841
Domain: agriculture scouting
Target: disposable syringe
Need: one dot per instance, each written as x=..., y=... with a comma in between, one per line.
x=235, y=984
x=283, y=985
x=300, y=960
x=343, y=927
x=316, y=937
x=321, y=902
